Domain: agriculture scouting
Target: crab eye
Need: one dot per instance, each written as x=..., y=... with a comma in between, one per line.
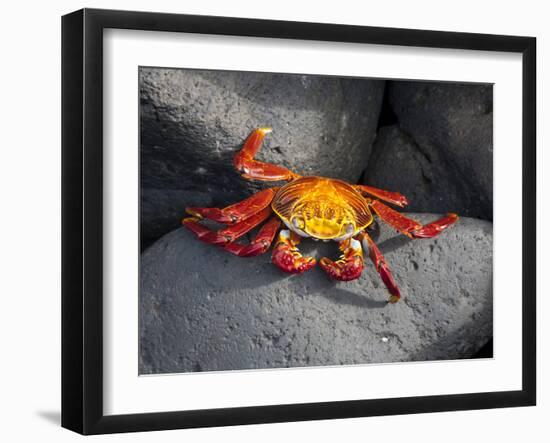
x=349, y=228
x=298, y=222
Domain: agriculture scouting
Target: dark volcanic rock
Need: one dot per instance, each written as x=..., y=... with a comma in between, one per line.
x=193, y=122
x=161, y=210
x=451, y=125
x=202, y=309
x=429, y=182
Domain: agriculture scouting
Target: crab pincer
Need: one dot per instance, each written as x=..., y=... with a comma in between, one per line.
x=287, y=257
x=349, y=266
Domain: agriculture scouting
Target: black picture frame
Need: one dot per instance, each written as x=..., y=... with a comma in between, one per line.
x=82, y=218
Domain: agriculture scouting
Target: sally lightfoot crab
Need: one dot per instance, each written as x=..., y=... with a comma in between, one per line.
x=317, y=207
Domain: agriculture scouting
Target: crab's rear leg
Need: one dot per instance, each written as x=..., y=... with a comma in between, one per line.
x=391, y=197
x=253, y=169
x=381, y=267
x=287, y=256
x=237, y=212
x=411, y=228
x=350, y=264
x=228, y=234
x=261, y=242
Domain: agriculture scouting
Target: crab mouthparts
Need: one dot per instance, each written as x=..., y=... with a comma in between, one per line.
x=323, y=229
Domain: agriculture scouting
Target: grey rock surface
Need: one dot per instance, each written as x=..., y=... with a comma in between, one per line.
x=452, y=126
x=429, y=183
x=202, y=309
x=161, y=210
x=192, y=122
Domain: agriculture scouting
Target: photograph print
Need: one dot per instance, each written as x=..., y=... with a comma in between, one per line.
x=293, y=221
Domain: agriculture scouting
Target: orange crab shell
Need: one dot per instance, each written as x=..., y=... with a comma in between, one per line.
x=322, y=208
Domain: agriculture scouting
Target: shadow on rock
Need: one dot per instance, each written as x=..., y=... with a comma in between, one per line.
x=394, y=244
x=343, y=296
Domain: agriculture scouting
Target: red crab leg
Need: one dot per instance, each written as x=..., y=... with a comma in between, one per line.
x=286, y=255
x=229, y=234
x=253, y=169
x=236, y=212
x=349, y=266
x=411, y=228
x=261, y=242
x=381, y=267
x=391, y=197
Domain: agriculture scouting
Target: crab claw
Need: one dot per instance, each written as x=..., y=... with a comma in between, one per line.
x=349, y=266
x=287, y=257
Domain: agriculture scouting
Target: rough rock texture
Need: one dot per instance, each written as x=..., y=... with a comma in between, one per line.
x=202, y=309
x=192, y=122
x=398, y=164
x=451, y=126
x=161, y=210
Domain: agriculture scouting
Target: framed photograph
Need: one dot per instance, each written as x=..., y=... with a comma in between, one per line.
x=269, y=221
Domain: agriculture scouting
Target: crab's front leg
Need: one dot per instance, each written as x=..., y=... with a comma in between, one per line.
x=350, y=264
x=286, y=255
